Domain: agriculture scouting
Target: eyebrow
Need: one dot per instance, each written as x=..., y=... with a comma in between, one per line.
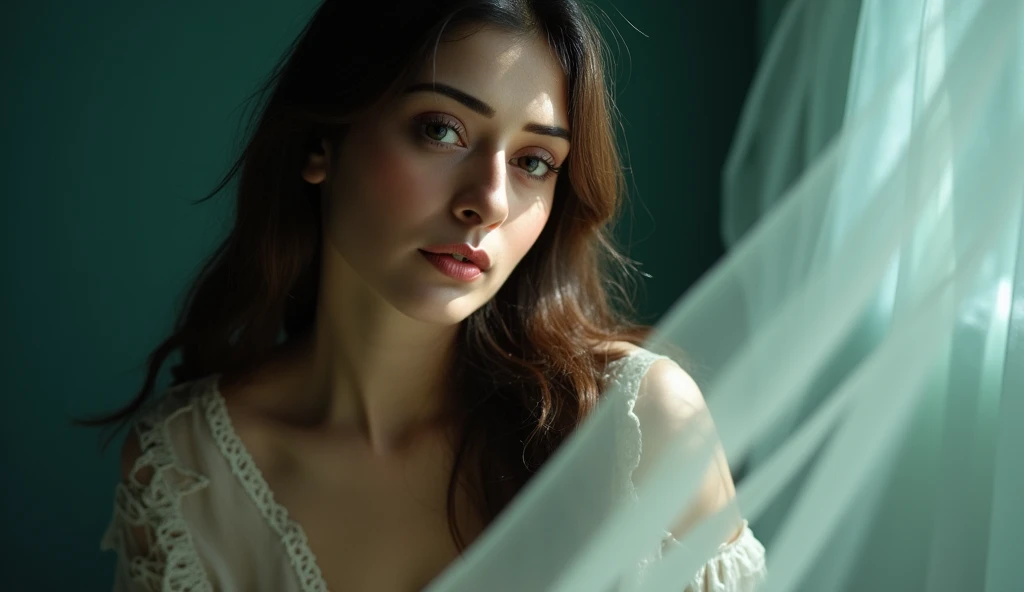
x=483, y=108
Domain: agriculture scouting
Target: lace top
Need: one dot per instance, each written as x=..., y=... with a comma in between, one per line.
x=196, y=514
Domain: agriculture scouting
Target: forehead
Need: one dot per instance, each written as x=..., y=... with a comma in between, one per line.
x=519, y=75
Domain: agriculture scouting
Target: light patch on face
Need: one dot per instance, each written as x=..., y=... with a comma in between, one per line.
x=544, y=105
x=508, y=59
x=430, y=170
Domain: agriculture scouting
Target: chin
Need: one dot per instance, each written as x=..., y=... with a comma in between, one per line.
x=437, y=307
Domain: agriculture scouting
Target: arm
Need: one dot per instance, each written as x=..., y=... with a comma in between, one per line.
x=668, y=403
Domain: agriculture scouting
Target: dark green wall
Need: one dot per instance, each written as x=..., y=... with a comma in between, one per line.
x=680, y=90
x=116, y=114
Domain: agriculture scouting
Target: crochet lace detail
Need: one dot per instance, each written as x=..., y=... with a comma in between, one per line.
x=148, y=528
x=244, y=468
x=622, y=378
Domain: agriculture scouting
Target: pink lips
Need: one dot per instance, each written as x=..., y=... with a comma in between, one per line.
x=476, y=261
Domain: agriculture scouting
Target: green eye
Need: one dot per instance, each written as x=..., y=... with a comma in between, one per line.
x=535, y=166
x=441, y=131
x=531, y=164
x=436, y=131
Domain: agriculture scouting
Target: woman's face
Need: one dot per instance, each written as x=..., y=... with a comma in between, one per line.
x=467, y=155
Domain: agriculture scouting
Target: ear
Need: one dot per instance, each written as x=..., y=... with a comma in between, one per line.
x=315, y=171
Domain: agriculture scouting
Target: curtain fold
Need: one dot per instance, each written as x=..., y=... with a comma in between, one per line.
x=859, y=347
x=939, y=526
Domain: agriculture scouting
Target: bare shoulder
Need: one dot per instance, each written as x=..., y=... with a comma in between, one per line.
x=615, y=349
x=671, y=390
x=670, y=402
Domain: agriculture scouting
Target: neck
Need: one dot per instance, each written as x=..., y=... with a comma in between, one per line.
x=375, y=370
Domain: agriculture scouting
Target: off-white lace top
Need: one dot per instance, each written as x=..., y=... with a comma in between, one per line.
x=212, y=523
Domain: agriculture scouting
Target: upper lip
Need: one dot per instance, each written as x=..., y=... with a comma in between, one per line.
x=476, y=256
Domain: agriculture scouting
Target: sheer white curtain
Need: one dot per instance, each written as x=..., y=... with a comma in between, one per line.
x=941, y=521
x=860, y=347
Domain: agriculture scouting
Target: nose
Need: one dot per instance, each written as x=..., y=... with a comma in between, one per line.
x=482, y=201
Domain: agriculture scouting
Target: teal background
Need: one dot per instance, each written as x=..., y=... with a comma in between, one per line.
x=117, y=114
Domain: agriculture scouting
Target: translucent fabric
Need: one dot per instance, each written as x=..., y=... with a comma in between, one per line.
x=860, y=347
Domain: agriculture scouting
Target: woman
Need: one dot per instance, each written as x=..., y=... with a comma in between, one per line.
x=408, y=317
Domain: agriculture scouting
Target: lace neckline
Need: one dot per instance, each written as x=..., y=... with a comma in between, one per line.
x=292, y=536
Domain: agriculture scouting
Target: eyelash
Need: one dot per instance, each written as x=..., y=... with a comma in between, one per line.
x=440, y=120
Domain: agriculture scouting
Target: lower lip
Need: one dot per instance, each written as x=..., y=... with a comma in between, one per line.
x=463, y=271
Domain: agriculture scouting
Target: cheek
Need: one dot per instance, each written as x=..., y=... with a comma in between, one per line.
x=382, y=195
x=395, y=183
x=379, y=184
x=526, y=227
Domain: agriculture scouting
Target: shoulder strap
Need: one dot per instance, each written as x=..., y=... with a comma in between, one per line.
x=625, y=374
x=622, y=384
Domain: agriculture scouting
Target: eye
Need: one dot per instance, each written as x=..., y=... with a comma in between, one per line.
x=440, y=132
x=536, y=166
x=437, y=128
x=531, y=164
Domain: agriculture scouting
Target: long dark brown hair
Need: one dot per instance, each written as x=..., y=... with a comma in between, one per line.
x=528, y=372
